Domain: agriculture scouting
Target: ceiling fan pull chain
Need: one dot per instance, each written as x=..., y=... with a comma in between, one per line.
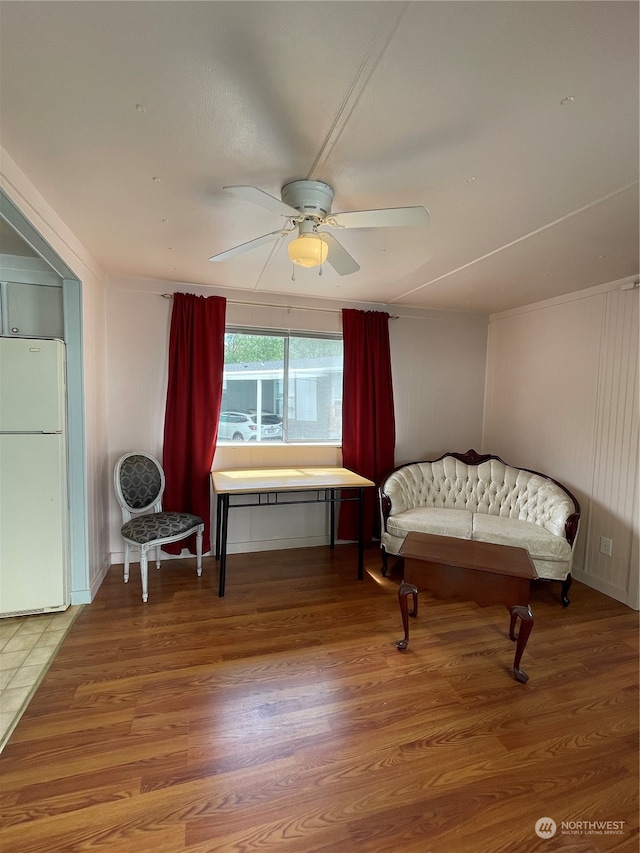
x=293, y=272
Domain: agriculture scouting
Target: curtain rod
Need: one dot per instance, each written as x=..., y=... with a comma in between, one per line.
x=273, y=305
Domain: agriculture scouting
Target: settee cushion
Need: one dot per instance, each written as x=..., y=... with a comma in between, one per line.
x=510, y=531
x=441, y=522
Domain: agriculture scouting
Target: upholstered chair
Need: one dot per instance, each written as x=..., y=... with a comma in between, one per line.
x=139, y=485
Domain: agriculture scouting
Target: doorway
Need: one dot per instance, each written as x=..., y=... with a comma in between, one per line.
x=19, y=237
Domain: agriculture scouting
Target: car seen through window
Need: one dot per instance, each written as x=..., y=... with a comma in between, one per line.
x=248, y=426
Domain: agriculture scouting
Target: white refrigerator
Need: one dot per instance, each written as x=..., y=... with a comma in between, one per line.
x=34, y=520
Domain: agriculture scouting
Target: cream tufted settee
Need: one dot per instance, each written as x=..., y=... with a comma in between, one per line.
x=471, y=496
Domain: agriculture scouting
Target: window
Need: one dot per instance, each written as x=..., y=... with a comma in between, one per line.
x=281, y=386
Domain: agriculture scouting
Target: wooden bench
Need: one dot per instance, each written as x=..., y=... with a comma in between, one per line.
x=478, y=571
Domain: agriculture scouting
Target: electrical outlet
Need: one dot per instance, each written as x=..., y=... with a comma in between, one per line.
x=606, y=546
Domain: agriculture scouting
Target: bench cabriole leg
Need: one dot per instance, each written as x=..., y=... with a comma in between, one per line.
x=404, y=591
x=526, y=624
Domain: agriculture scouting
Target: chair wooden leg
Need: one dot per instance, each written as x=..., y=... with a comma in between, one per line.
x=144, y=573
x=157, y=556
x=199, y=551
x=126, y=562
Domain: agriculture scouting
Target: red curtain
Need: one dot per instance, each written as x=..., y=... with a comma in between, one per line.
x=368, y=420
x=194, y=394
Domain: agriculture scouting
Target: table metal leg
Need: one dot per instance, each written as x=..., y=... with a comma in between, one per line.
x=526, y=624
x=224, y=518
x=360, y=534
x=332, y=494
x=218, y=525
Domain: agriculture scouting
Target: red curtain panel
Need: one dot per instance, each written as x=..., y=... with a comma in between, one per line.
x=368, y=420
x=194, y=394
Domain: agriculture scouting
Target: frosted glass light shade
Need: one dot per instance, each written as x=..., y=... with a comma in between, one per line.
x=308, y=250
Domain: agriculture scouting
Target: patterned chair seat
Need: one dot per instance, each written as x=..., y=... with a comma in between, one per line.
x=149, y=528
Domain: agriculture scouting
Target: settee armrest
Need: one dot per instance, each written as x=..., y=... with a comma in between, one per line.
x=572, y=524
x=385, y=508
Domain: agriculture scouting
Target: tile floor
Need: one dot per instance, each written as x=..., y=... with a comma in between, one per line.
x=28, y=645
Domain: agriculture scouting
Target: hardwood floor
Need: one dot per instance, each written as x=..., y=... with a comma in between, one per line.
x=282, y=718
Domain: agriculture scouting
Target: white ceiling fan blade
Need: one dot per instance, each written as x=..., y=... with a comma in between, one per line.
x=338, y=257
x=257, y=196
x=390, y=216
x=246, y=247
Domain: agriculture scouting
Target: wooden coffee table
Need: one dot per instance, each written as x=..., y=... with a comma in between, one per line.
x=476, y=571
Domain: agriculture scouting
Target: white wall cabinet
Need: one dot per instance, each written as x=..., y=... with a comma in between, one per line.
x=33, y=310
x=31, y=300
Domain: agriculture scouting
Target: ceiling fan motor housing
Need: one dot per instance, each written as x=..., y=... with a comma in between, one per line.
x=311, y=198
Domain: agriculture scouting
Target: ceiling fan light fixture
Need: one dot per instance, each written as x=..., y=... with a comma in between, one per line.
x=308, y=250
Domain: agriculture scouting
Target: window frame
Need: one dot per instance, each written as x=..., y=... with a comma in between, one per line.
x=287, y=335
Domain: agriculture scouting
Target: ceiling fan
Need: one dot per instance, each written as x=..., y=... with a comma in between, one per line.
x=306, y=207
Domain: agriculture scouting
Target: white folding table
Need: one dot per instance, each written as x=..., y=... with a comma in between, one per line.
x=269, y=485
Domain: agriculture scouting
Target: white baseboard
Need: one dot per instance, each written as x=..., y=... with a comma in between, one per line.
x=86, y=596
x=602, y=586
x=276, y=544
x=117, y=557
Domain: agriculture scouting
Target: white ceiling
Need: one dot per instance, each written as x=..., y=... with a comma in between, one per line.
x=130, y=117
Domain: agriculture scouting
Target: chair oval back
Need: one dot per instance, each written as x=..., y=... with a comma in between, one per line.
x=139, y=482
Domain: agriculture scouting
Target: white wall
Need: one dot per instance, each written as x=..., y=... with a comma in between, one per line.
x=49, y=225
x=562, y=398
x=438, y=364
x=438, y=374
